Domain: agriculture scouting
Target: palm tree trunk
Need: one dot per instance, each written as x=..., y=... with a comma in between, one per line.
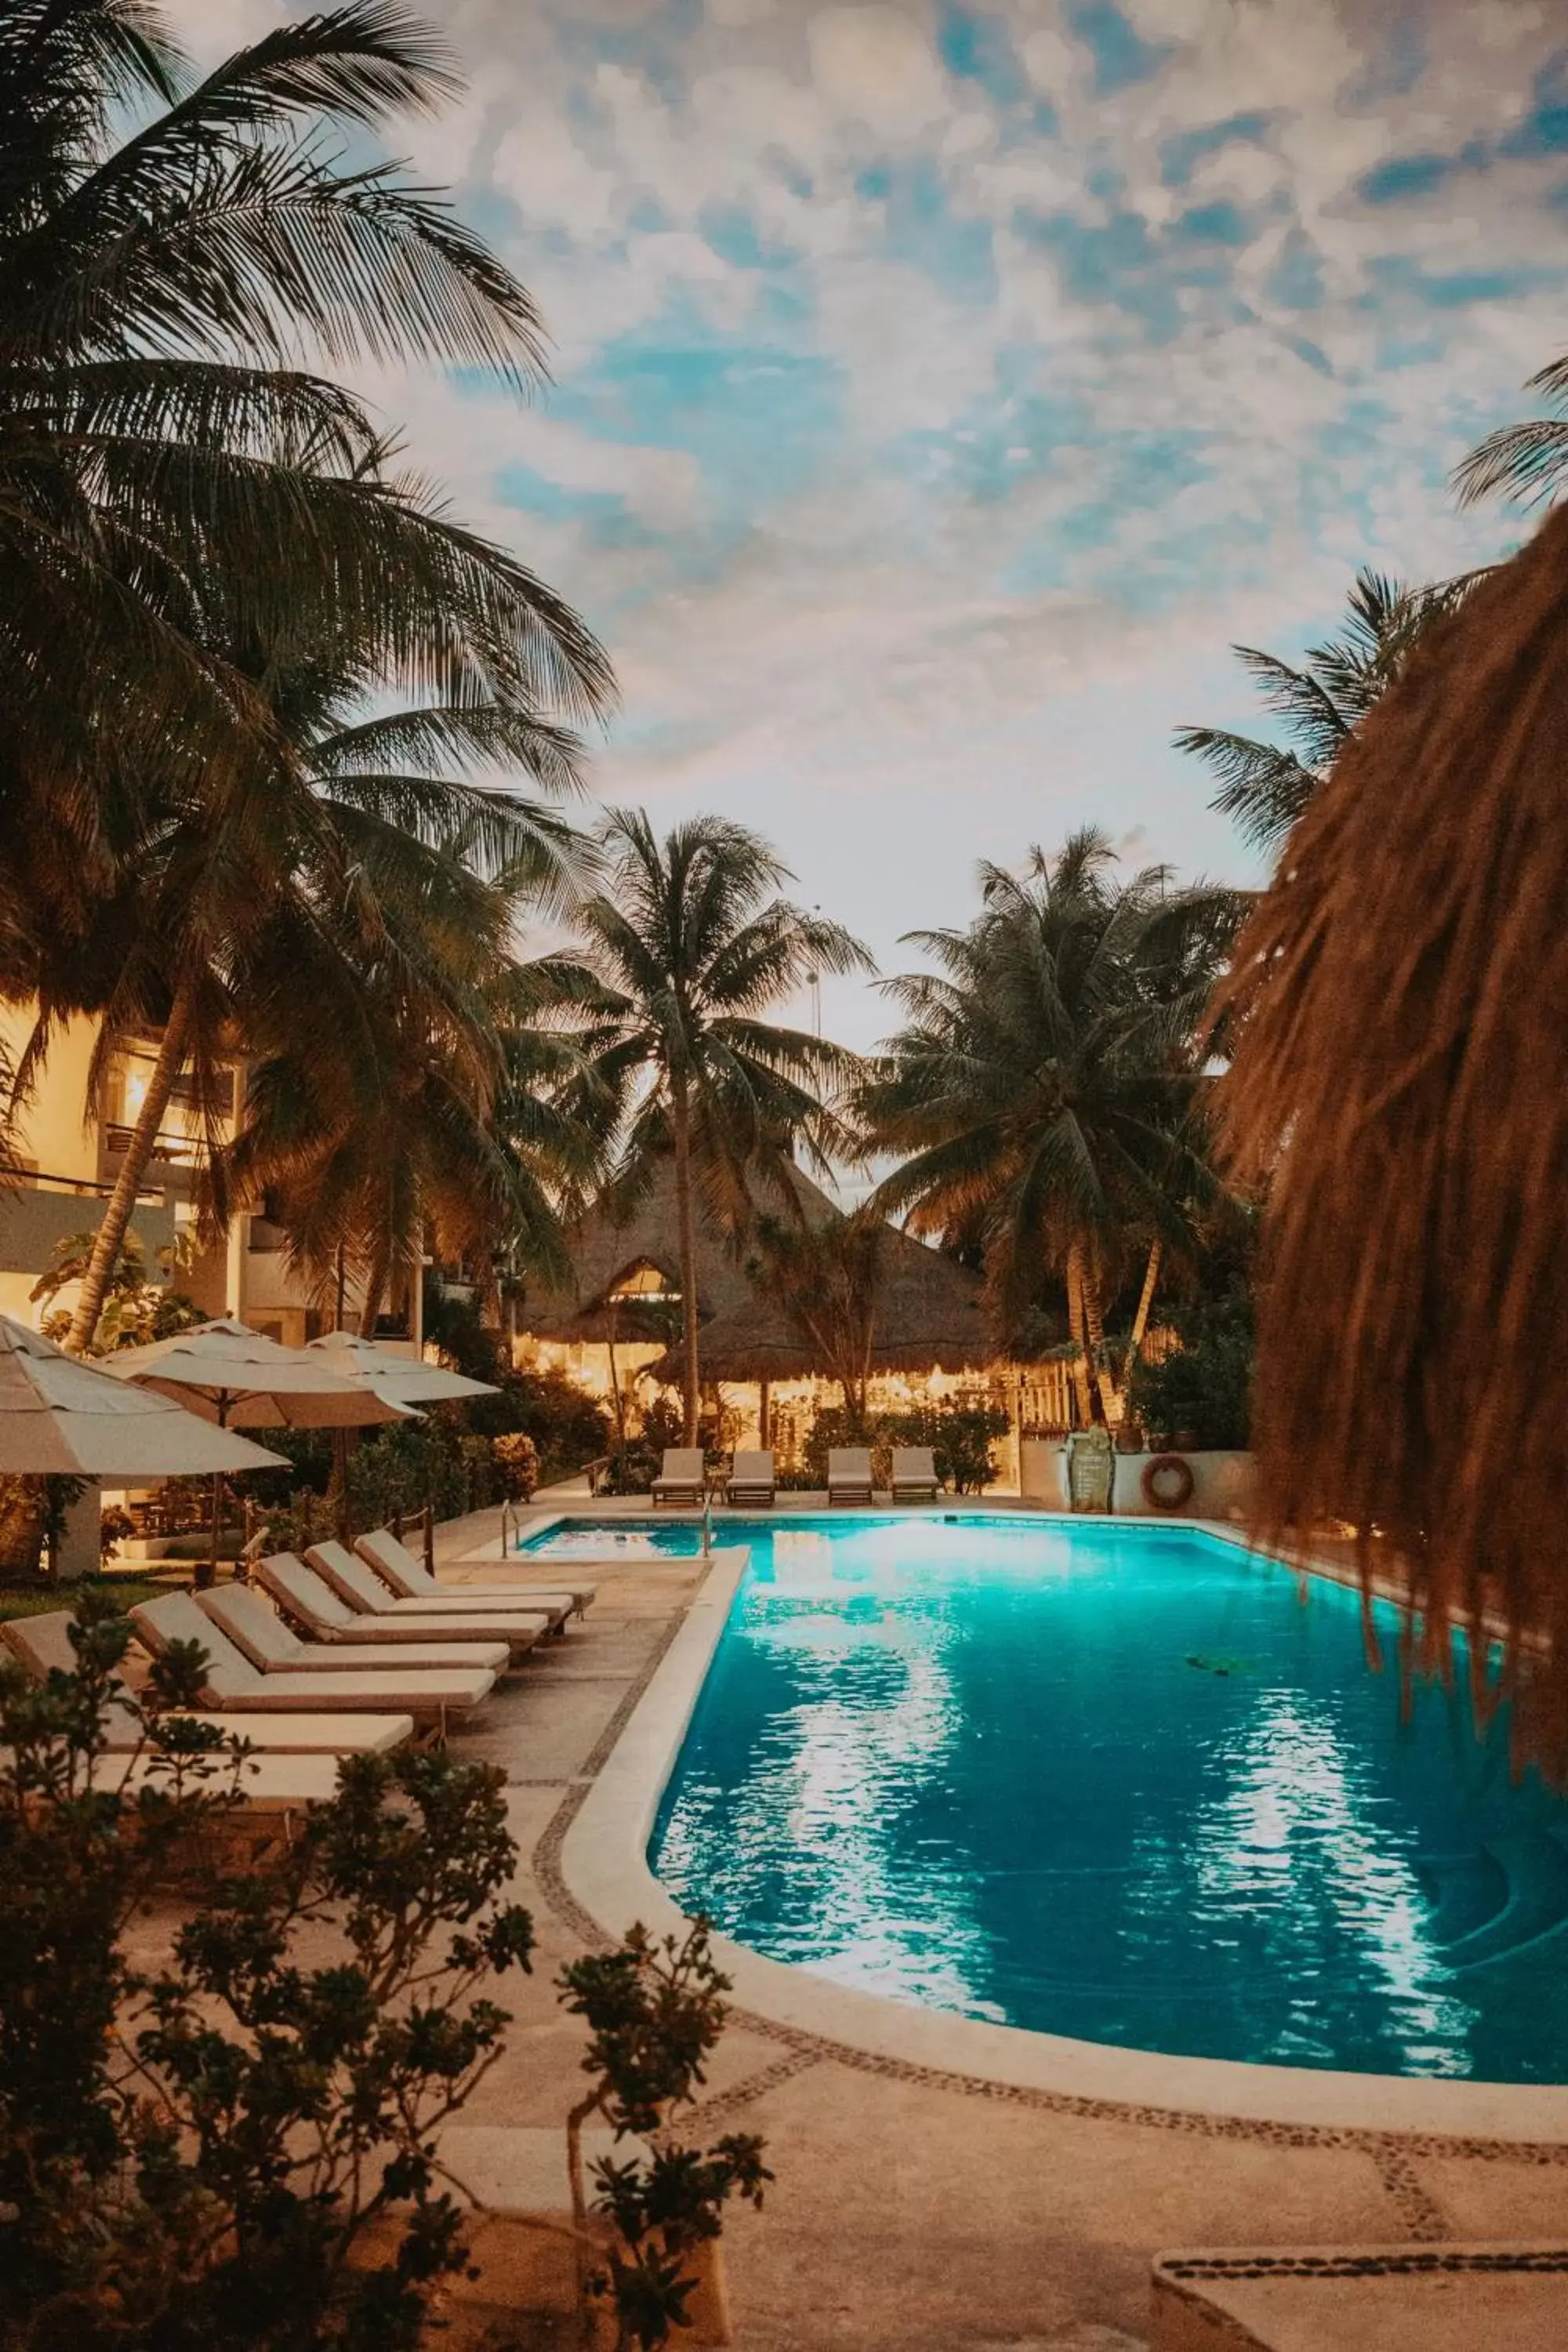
x=374, y=1289
x=1083, y=1372
x=116, y=1218
x=619, y=1402
x=1103, y=1387
x=1145, y=1301
x=682, y=1122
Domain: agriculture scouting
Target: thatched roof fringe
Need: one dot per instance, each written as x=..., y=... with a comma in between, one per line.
x=1401, y=1072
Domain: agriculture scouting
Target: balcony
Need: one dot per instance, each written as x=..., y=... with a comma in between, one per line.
x=42, y=1211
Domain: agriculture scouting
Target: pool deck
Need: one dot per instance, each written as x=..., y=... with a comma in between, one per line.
x=920, y=2206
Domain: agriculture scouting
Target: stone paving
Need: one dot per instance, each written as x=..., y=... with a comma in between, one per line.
x=906, y=2214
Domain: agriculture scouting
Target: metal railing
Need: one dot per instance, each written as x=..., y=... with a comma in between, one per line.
x=420, y=1523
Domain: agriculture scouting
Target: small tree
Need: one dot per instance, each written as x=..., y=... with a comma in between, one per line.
x=655, y=2010
x=195, y=2156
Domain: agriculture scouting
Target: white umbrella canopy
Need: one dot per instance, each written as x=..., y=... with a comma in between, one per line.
x=233, y=1375
x=59, y=1417
x=400, y=1380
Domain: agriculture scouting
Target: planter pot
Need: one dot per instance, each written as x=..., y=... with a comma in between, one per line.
x=1185, y=1440
x=1130, y=1438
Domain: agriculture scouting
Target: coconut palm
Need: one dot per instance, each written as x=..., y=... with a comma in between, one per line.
x=1266, y=785
x=1526, y=462
x=184, y=511
x=1046, y=1085
x=685, y=949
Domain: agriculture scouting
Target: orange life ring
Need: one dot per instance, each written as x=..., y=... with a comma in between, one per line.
x=1164, y=1465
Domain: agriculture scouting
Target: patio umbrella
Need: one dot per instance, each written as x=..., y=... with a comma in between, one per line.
x=1400, y=1080
x=59, y=1416
x=400, y=1380
x=233, y=1375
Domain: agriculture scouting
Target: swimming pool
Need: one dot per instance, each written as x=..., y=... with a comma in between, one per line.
x=1124, y=1783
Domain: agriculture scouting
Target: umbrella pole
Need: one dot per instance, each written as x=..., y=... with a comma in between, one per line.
x=206, y=1569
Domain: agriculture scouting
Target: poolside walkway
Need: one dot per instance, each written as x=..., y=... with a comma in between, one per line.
x=908, y=2212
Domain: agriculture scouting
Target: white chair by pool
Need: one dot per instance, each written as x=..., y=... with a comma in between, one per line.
x=231, y=1684
x=849, y=1474
x=682, y=1478
x=914, y=1475
x=43, y=1645
x=752, y=1480
x=410, y=1579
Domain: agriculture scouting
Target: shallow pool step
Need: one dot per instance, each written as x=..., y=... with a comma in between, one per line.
x=1535, y=1865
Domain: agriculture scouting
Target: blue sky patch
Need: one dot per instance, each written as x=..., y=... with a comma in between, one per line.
x=1121, y=53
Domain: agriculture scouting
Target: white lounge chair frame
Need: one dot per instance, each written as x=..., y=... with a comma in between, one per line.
x=914, y=1474
x=683, y=1479
x=752, y=1479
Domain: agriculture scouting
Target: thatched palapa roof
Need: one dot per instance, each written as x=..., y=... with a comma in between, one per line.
x=1402, y=1074
x=930, y=1310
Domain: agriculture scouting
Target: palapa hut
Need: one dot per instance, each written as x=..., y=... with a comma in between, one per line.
x=1401, y=1074
x=932, y=1338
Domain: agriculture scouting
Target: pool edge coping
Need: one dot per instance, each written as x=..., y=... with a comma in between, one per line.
x=604, y=1866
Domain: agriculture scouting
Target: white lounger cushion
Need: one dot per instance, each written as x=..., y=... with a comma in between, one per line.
x=914, y=1466
x=359, y=1587
x=683, y=1466
x=410, y=1579
x=44, y=1646
x=850, y=1465
x=233, y=1682
x=276, y=1648
x=268, y=1784
x=328, y=1618
x=752, y=1470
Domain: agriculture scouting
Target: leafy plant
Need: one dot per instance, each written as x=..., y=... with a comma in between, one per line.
x=958, y=1435
x=198, y=2154
x=136, y=1309
x=1205, y=1384
x=655, y=2011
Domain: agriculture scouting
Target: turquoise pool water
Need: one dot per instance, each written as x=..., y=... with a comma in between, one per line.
x=1118, y=1782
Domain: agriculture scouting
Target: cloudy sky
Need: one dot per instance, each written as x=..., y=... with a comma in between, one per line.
x=940, y=390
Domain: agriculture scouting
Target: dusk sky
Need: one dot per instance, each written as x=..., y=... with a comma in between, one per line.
x=939, y=390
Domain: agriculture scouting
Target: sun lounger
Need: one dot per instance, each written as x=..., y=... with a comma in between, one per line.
x=752, y=1479
x=276, y=1649
x=44, y=1647
x=232, y=1683
x=914, y=1474
x=849, y=1474
x=323, y=1615
x=268, y=1784
x=410, y=1579
x=371, y=1603
x=682, y=1477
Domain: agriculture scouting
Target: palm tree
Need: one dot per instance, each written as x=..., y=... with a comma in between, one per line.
x=685, y=949
x=184, y=512
x=1048, y=1085
x=1266, y=785
x=1526, y=462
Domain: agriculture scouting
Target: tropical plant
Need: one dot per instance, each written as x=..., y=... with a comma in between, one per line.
x=1526, y=462
x=655, y=2010
x=1048, y=1087
x=1204, y=1383
x=685, y=946
x=1265, y=785
x=232, y=2146
x=136, y=1309
x=191, y=522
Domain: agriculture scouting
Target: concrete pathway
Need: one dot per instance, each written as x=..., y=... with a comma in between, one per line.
x=908, y=2214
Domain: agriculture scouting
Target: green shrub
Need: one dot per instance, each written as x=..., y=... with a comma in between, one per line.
x=1204, y=1385
x=958, y=1435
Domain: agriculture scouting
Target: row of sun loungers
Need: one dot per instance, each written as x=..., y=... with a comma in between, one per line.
x=751, y=1483
x=363, y=1651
